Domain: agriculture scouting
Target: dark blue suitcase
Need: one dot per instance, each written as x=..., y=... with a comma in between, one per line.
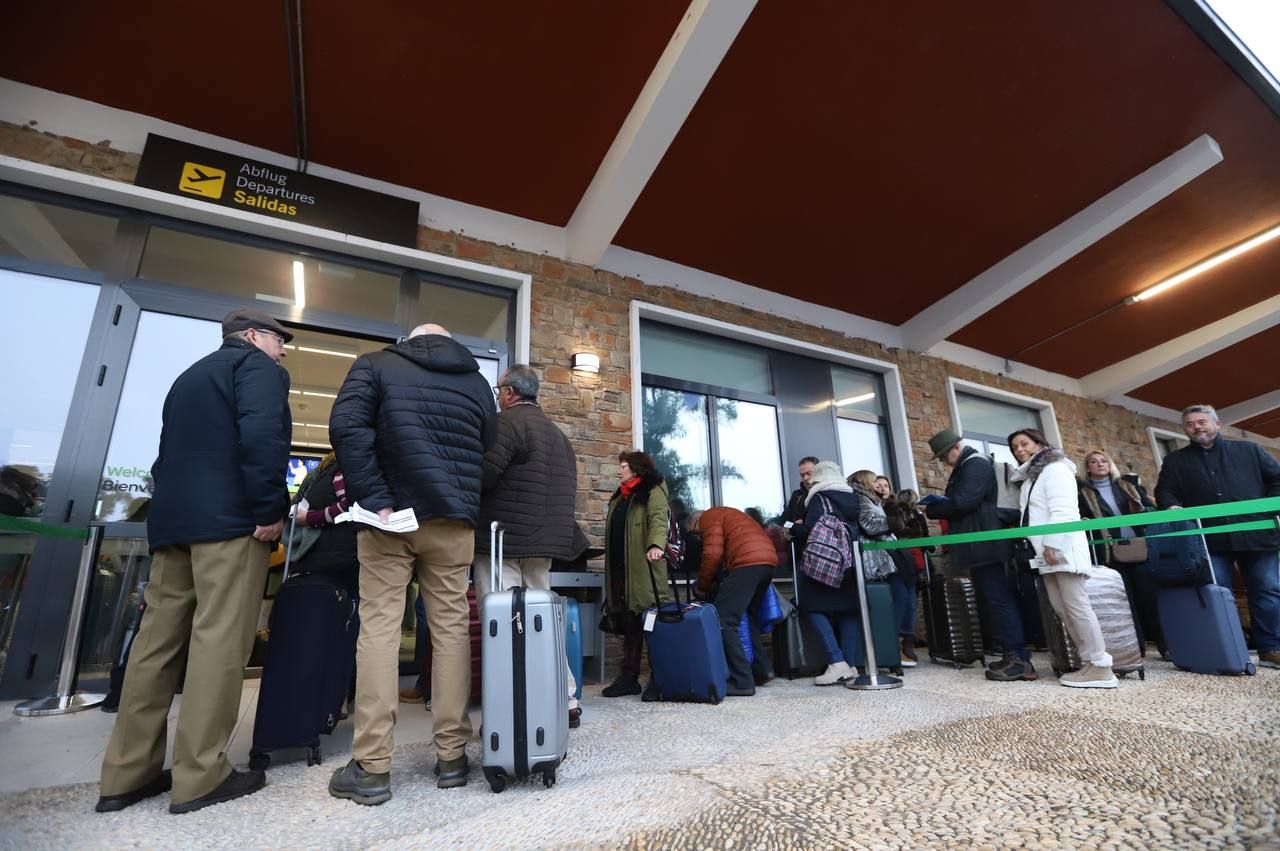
x=573, y=642
x=1201, y=627
x=686, y=653
x=311, y=655
x=884, y=630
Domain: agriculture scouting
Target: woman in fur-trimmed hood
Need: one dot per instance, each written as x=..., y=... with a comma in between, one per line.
x=1049, y=496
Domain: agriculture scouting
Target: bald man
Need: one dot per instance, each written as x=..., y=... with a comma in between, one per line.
x=410, y=427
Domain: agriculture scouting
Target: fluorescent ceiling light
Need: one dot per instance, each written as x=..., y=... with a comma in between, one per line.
x=299, y=285
x=330, y=352
x=318, y=393
x=316, y=445
x=1205, y=265
x=310, y=425
x=853, y=400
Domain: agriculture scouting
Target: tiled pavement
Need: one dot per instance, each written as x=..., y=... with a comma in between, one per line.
x=949, y=761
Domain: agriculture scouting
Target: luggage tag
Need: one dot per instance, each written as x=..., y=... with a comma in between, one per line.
x=650, y=617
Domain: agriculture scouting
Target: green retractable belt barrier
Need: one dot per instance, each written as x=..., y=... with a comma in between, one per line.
x=1268, y=505
x=35, y=527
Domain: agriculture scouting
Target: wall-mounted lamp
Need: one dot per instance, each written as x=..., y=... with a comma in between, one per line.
x=586, y=362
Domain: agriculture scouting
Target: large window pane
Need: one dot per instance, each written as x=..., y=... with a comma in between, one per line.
x=462, y=311
x=854, y=390
x=163, y=348
x=992, y=448
x=750, y=457
x=703, y=358
x=979, y=415
x=676, y=436
x=44, y=325
x=113, y=609
x=52, y=234
x=241, y=270
x=15, y=559
x=863, y=447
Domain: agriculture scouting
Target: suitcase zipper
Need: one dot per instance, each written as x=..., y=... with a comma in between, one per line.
x=519, y=694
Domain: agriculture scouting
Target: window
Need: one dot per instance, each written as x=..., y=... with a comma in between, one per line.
x=52, y=234
x=44, y=325
x=704, y=359
x=464, y=311
x=262, y=274
x=677, y=435
x=986, y=423
x=1163, y=442
x=861, y=430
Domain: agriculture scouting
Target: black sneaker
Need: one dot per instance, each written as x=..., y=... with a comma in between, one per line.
x=1017, y=669
x=115, y=803
x=452, y=772
x=355, y=784
x=621, y=687
x=237, y=785
x=651, y=693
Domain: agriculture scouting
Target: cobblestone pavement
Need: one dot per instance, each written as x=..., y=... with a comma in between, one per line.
x=950, y=760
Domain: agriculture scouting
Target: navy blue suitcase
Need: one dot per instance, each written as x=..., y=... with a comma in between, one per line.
x=1202, y=629
x=686, y=653
x=311, y=655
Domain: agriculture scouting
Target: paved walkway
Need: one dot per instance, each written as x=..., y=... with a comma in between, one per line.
x=948, y=761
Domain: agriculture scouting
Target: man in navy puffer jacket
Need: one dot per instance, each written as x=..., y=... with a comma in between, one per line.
x=410, y=427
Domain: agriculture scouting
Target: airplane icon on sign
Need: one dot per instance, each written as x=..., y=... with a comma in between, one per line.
x=202, y=180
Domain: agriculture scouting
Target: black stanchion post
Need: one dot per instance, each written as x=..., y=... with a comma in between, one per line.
x=66, y=700
x=872, y=680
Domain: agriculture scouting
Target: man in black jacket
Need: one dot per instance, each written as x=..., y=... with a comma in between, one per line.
x=219, y=502
x=410, y=427
x=970, y=506
x=1214, y=470
x=530, y=487
x=794, y=512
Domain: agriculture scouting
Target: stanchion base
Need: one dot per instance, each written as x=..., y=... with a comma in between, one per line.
x=56, y=705
x=873, y=682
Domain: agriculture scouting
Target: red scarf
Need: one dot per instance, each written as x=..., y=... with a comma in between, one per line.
x=629, y=486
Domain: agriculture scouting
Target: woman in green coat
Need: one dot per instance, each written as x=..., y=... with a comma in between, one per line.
x=634, y=541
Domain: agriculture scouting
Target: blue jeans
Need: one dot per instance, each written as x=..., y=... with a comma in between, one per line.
x=848, y=646
x=904, y=602
x=1261, y=573
x=998, y=602
x=420, y=644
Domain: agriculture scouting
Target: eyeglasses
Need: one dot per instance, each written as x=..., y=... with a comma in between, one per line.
x=497, y=391
x=272, y=333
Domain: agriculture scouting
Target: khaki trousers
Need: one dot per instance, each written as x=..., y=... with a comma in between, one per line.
x=1070, y=600
x=440, y=552
x=206, y=596
x=526, y=572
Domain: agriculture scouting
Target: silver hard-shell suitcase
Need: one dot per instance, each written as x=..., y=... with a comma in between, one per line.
x=525, y=700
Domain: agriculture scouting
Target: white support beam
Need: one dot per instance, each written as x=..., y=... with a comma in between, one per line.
x=696, y=48
x=1250, y=408
x=1042, y=255
x=1130, y=373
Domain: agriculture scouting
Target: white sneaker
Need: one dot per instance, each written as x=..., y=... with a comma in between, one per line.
x=836, y=672
x=1090, y=676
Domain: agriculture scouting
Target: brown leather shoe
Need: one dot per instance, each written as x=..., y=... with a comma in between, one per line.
x=575, y=717
x=411, y=695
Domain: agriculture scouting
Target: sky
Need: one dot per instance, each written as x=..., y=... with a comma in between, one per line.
x=1257, y=24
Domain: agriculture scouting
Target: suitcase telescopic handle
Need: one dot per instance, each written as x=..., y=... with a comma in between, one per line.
x=495, y=555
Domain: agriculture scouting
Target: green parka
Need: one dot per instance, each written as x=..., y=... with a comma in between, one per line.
x=646, y=527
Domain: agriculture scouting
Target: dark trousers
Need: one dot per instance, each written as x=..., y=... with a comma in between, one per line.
x=741, y=590
x=903, y=586
x=1000, y=605
x=632, y=647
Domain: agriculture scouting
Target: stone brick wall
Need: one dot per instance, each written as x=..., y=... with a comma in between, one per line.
x=576, y=307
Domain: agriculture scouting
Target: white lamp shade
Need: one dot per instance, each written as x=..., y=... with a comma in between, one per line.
x=586, y=362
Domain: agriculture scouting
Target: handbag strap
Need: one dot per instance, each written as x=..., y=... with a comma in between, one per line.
x=665, y=617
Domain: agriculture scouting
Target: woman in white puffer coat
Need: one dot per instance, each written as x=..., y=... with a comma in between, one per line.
x=1050, y=495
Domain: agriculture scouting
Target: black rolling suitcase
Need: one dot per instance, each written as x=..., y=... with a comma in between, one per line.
x=952, y=626
x=797, y=648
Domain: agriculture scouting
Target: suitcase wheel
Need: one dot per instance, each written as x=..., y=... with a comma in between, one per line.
x=1251, y=669
x=259, y=760
x=549, y=778
x=498, y=782
x=313, y=755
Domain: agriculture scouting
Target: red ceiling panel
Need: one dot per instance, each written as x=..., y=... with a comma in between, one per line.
x=1267, y=425
x=509, y=106
x=1235, y=374
x=873, y=159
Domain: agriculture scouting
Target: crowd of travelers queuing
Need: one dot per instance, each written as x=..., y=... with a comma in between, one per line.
x=416, y=426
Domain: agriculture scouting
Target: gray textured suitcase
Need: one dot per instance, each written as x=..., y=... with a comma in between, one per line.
x=525, y=699
x=1110, y=603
